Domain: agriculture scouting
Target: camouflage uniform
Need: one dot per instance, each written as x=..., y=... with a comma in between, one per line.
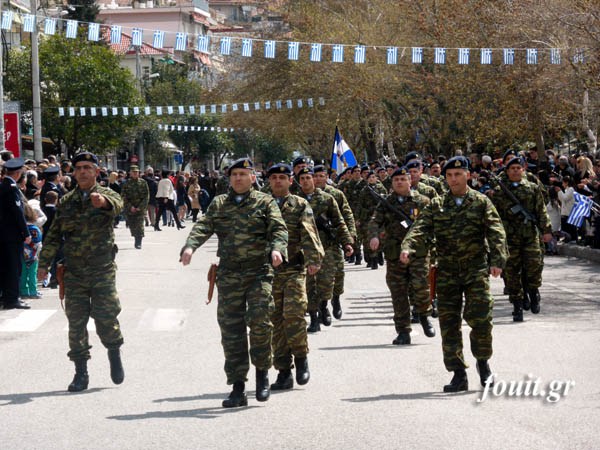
x=135, y=194
x=248, y=232
x=434, y=183
x=469, y=238
x=289, y=284
x=426, y=190
x=408, y=284
x=89, y=251
x=387, y=183
x=365, y=209
x=353, y=198
x=222, y=185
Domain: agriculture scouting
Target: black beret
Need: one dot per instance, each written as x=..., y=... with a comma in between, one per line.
x=305, y=171
x=457, y=162
x=346, y=170
x=279, y=168
x=364, y=168
x=301, y=160
x=389, y=166
x=242, y=163
x=400, y=171
x=51, y=170
x=516, y=160
x=379, y=169
x=371, y=172
x=14, y=164
x=319, y=168
x=509, y=152
x=85, y=156
x=415, y=164
x=412, y=155
x=353, y=168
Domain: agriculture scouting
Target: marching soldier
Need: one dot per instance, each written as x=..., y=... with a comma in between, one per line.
x=422, y=177
x=471, y=243
x=366, y=207
x=135, y=197
x=305, y=252
x=355, y=185
x=252, y=241
x=297, y=165
x=415, y=168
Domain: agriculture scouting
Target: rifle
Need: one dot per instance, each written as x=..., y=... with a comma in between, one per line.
x=406, y=221
x=517, y=208
x=212, y=279
x=433, y=288
x=324, y=224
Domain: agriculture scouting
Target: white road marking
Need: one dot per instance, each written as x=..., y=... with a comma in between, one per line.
x=26, y=320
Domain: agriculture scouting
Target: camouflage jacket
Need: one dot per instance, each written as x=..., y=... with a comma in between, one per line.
x=387, y=183
x=135, y=194
x=469, y=237
x=248, y=232
x=344, y=206
x=87, y=232
x=426, y=190
x=304, y=244
x=354, y=195
x=328, y=218
x=394, y=227
x=434, y=183
x=367, y=203
x=222, y=185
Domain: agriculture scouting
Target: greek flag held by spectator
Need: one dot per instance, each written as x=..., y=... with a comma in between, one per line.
x=342, y=156
x=581, y=210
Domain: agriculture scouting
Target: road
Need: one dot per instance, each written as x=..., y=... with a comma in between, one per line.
x=364, y=392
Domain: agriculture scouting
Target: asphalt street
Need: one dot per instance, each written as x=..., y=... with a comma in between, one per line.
x=364, y=392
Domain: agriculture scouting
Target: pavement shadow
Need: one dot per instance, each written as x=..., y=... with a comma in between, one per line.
x=371, y=346
x=192, y=398
x=28, y=397
x=198, y=413
x=412, y=396
x=350, y=319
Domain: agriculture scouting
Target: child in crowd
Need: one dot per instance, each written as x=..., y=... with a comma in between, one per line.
x=28, y=283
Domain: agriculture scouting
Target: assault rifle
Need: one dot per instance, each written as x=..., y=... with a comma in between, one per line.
x=406, y=221
x=324, y=224
x=517, y=207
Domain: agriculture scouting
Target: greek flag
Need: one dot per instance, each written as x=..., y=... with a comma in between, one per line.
x=169, y=110
x=104, y=110
x=213, y=109
x=234, y=107
x=417, y=55
x=202, y=44
x=7, y=19
x=136, y=37
x=293, y=51
x=578, y=57
x=50, y=26
x=158, y=39
x=256, y=106
x=71, y=29
x=136, y=110
x=321, y=101
x=341, y=156
x=509, y=56
x=82, y=112
x=463, y=56
x=247, y=48
x=310, y=102
x=581, y=210
x=300, y=103
x=223, y=108
x=267, y=105
x=278, y=104
x=226, y=46
x=181, y=110
x=202, y=109
x=338, y=53
x=315, y=52
x=71, y=111
x=181, y=41
x=554, y=56
x=29, y=23
x=178, y=127
x=532, y=55
x=440, y=56
x=289, y=104
x=125, y=110
x=115, y=34
x=147, y=110
x=93, y=112
x=270, y=49
x=192, y=109
x=486, y=56
x=360, y=54
x=159, y=110
x=246, y=107
x=94, y=32
x=61, y=112
x=392, y=55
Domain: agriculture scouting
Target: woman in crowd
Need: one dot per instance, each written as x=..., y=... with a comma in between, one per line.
x=193, y=193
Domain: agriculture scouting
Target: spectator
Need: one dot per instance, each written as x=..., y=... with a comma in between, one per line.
x=164, y=199
x=193, y=192
x=567, y=201
x=152, y=188
x=31, y=249
x=181, y=191
x=563, y=168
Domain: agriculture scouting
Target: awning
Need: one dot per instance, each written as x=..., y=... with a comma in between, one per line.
x=19, y=5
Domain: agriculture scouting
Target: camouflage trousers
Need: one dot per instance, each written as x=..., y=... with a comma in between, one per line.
x=454, y=280
x=523, y=267
x=245, y=301
x=340, y=275
x=409, y=285
x=92, y=294
x=319, y=287
x=135, y=222
x=289, y=326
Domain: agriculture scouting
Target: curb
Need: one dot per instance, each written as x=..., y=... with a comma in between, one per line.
x=577, y=251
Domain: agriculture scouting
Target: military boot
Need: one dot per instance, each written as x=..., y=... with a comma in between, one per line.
x=325, y=315
x=374, y=263
x=81, y=379
x=517, y=311
x=237, y=397
x=117, y=374
x=358, y=259
x=284, y=381
x=351, y=259
x=414, y=316
x=427, y=326
x=337, y=307
x=315, y=325
x=138, y=242
x=262, y=385
x=402, y=339
x=380, y=258
x=302, y=372
x=459, y=382
x=526, y=301
x=534, y=295
x=483, y=369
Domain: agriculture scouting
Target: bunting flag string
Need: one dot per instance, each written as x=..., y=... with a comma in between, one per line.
x=312, y=51
x=196, y=128
x=106, y=111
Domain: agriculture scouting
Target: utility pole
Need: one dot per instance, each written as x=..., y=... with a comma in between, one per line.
x=1, y=86
x=38, y=153
x=138, y=75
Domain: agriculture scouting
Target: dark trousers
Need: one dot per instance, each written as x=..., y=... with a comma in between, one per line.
x=169, y=205
x=11, y=260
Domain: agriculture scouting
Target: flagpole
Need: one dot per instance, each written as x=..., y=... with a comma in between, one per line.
x=333, y=149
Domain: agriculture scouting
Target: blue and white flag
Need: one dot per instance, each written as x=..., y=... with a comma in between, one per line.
x=181, y=41
x=226, y=46
x=278, y=104
x=554, y=56
x=338, y=53
x=246, y=107
x=360, y=54
x=581, y=210
x=203, y=43
x=579, y=56
x=93, y=111
x=61, y=111
x=440, y=56
x=29, y=23
x=169, y=110
x=247, y=48
x=82, y=112
x=486, y=56
x=115, y=111
x=300, y=103
x=509, y=56
x=94, y=32
x=125, y=110
x=192, y=109
x=213, y=109
x=202, y=109
x=136, y=37
x=234, y=107
x=181, y=110
x=267, y=105
x=310, y=102
x=104, y=111
x=147, y=110
x=293, y=51
x=50, y=26
x=270, y=49
x=71, y=111
x=392, y=55
x=417, y=55
x=159, y=110
x=223, y=109
x=136, y=110
x=532, y=55
x=7, y=20
x=315, y=52
x=341, y=156
x=158, y=39
x=463, y=55
x=256, y=106
x=115, y=34
x=71, y=32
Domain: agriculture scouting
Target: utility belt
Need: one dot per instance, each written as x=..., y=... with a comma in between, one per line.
x=241, y=265
x=295, y=261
